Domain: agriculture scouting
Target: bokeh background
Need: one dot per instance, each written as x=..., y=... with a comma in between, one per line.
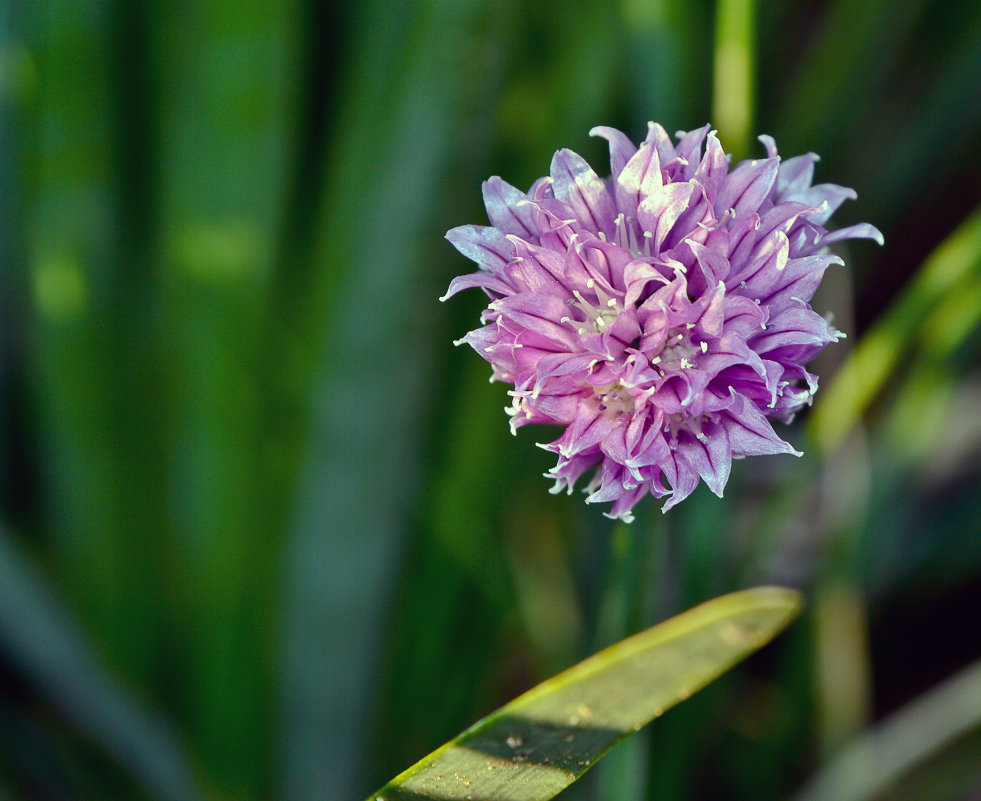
x=264, y=533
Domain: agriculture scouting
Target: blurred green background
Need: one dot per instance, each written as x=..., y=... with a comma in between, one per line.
x=264, y=533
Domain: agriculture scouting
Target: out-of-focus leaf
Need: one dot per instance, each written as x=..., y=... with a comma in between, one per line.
x=43, y=641
x=881, y=756
x=953, y=448
x=942, y=278
x=385, y=168
x=668, y=60
x=921, y=409
x=943, y=126
x=842, y=667
x=534, y=747
x=227, y=145
x=857, y=43
x=734, y=90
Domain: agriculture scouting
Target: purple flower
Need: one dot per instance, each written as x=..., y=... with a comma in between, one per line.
x=659, y=315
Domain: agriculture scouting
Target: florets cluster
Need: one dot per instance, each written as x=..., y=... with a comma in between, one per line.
x=659, y=315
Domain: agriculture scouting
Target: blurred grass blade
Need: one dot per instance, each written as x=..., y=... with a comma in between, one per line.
x=46, y=645
x=855, y=50
x=921, y=408
x=879, y=353
x=385, y=169
x=667, y=57
x=534, y=747
x=923, y=727
x=734, y=90
x=940, y=99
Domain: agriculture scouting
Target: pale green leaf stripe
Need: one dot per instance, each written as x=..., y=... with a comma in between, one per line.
x=866, y=768
x=733, y=91
x=534, y=747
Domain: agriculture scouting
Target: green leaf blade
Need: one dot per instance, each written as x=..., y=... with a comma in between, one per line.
x=540, y=743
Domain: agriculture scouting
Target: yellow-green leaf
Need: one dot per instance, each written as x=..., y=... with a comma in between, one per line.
x=535, y=746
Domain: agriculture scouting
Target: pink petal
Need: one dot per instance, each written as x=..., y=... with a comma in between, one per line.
x=640, y=177
x=576, y=185
x=659, y=211
x=505, y=208
x=486, y=246
x=621, y=148
x=747, y=186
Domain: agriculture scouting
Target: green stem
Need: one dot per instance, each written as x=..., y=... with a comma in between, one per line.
x=734, y=92
x=625, y=608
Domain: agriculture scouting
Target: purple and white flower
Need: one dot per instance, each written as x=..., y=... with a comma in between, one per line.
x=659, y=315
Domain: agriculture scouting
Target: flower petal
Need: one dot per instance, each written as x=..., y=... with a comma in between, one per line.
x=710, y=455
x=747, y=186
x=713, y=168
x=487, y=281
x=857, y=231
x=621, y=148
x=506, y=210
x=826, y=198
x=763, y=269
x=750, y=433
x=682, y=478
x=640, y=177
x=659, y=211
x=795, y=175
x=486, y=246
x=798, y=279
x=576, y=185
x=538, y=313
x=689, y=147
x=794, y=326
x=536, y=269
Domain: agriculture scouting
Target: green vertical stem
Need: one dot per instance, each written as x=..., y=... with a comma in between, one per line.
x=137, y=414
x=667, y=60
x=70, y=186
x=842, y=673
x=17, y=461
x=669, y=743
x=625, y=610
x=228, y=138
x=395, y=138
x=734, y=90
x=842, y=665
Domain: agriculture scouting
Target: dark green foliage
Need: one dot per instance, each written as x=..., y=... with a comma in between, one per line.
x=255, y=503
